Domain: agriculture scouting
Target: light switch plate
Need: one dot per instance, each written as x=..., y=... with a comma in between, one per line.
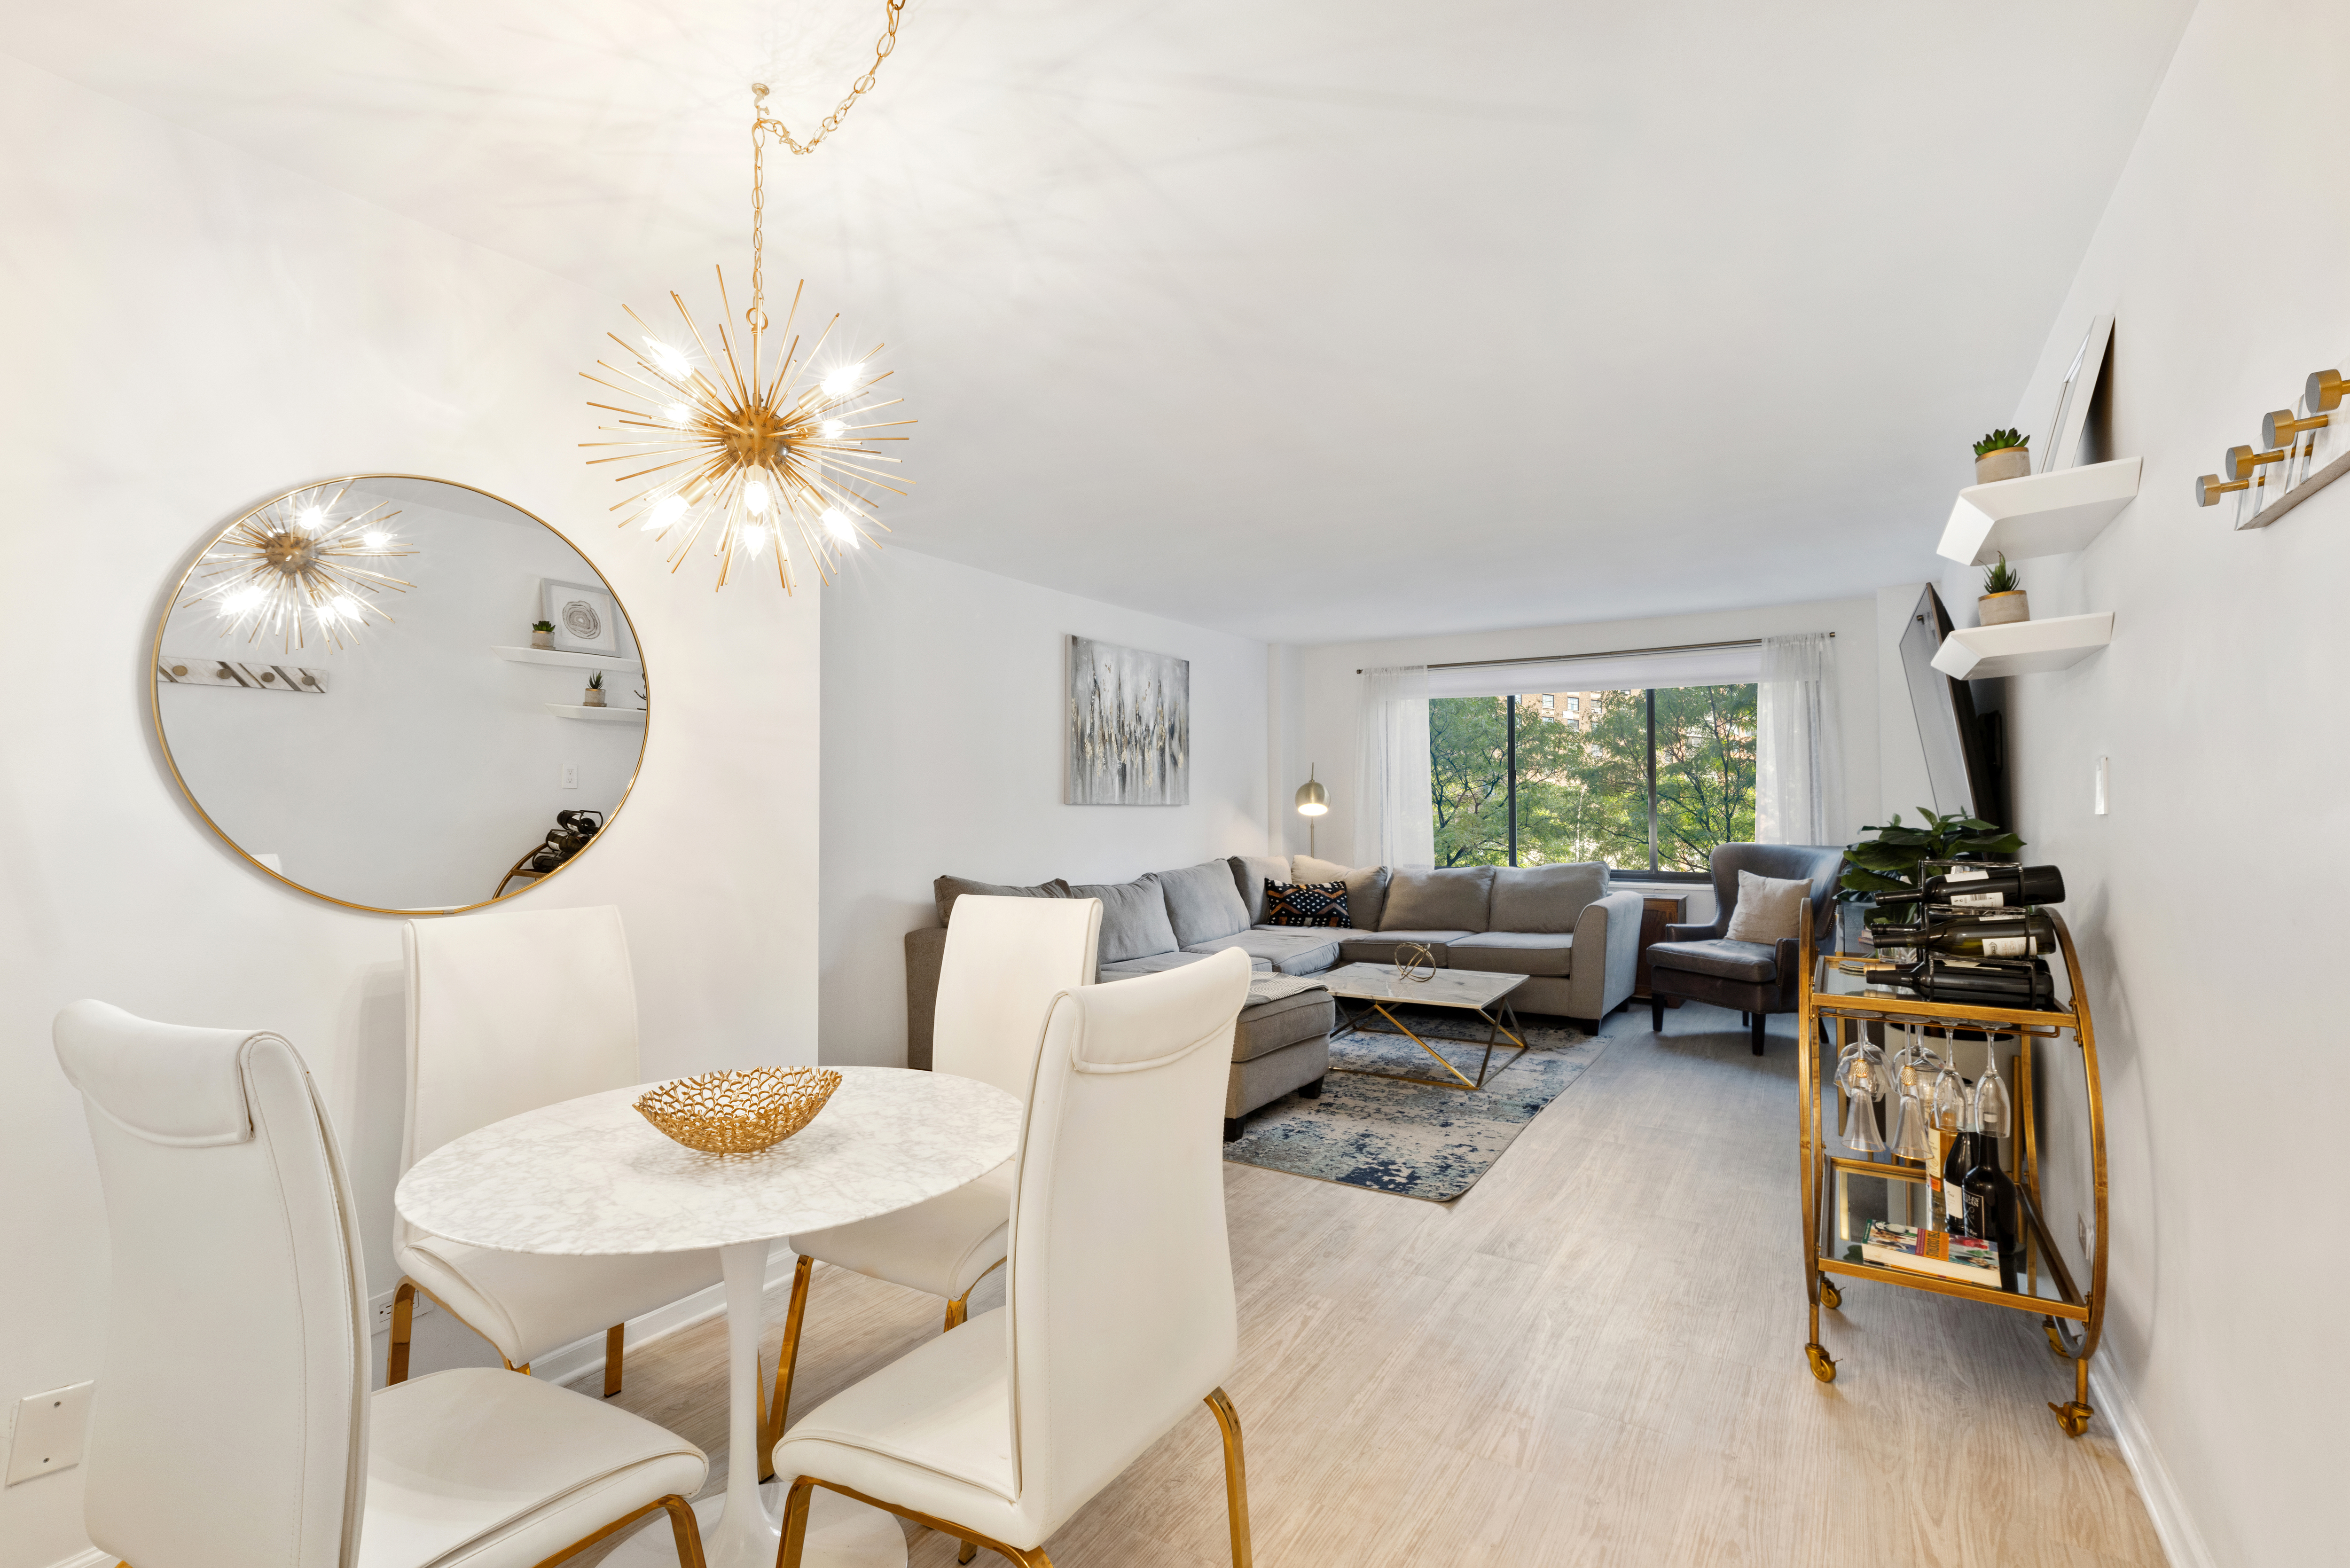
x=48, y=1432
x=2103, y=777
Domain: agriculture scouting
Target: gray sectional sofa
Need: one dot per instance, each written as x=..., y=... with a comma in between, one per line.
x=1576, y=943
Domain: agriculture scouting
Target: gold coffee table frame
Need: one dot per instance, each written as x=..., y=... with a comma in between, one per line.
x=1424, y=993
x=2072, y=1319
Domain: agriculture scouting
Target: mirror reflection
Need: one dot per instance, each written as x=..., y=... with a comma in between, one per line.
x=401, y=693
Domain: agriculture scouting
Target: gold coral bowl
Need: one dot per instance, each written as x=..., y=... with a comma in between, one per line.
x=739, y=1112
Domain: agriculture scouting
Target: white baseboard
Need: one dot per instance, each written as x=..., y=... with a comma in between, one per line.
x=89, y=1557
x=578, y=1359
x=2182, y=1543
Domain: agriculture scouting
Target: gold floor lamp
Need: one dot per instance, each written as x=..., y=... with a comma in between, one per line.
x=1313, y=801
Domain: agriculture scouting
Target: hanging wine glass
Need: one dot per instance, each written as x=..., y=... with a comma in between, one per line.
x=1913, y=1131
x=1994, y=1112
x=1950, y=1089
x=1865, y=1087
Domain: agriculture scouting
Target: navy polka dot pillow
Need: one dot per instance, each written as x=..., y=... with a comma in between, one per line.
x=1306, y=903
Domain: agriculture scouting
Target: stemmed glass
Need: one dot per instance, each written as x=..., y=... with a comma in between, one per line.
x=1994, y=1112
x=1860, y=1074
x=1914, y=1133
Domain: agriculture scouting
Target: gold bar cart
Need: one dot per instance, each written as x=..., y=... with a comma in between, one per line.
x=1837, y=1001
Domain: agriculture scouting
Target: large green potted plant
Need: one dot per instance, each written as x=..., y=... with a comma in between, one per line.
x=1889, y=862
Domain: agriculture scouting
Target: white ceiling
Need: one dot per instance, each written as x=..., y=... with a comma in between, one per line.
x=1313, y=320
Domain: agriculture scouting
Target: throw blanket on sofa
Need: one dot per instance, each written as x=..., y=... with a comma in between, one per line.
x=1274, y=987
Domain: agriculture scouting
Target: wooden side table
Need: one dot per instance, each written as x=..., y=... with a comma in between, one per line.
x=1657, y=911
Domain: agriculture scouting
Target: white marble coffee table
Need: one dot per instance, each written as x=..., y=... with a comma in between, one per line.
x=590, y=1175
x=1471, y=991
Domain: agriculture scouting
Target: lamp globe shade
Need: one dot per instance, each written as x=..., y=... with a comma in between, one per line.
x=1313, y=800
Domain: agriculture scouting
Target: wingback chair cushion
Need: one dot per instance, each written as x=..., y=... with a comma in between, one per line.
x=1768, y=908
x=1702, y=962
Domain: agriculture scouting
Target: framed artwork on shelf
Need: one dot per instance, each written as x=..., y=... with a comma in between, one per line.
x=1129, y=735
x=2061, y=446
x=586, y=619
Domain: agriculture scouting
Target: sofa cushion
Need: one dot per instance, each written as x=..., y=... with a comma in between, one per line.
x=1321, y=905
x=1548, y=898
x=1454, y=897
x=1250, y=873
x=1722, y=959
x=1266, y=1026
x=1202, y=902
x=1367, y=887
x=1768, y=908
x=947, y=889
x=1134, y=920
x=1288, y=950
x=1513, y=953
x=1380, y=946
x=1158, y=964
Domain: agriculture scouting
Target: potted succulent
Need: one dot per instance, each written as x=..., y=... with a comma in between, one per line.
x=595, y=694
x=2003, y=454
x=2004, y=599
x=542, y=634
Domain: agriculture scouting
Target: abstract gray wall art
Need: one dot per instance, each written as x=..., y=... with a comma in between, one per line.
x=1130, y=726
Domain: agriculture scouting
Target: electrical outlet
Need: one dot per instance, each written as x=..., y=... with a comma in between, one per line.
x=382, y=1314
x=49, y=1430
x=570, y=775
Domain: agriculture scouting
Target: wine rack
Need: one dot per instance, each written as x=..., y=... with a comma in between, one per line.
x=1837, y=1002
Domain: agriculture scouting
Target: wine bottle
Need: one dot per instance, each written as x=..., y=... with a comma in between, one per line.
x=1991, y=1207
x=1991, y=888
x=2017, y=934
x=1971, y=986
x=1955, y=1166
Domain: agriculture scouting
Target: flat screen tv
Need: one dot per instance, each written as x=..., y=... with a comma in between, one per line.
x=1963, y=750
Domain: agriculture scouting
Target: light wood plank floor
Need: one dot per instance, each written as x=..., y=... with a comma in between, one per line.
x=1596, y=1356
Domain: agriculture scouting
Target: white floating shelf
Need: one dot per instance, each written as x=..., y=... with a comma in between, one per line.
x=2024, y=647
x=2052, y=514
x=597, y=715
x=570, y=660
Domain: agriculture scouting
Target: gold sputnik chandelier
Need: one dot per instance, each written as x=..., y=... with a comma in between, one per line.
x=291, y=568
x=722, y=442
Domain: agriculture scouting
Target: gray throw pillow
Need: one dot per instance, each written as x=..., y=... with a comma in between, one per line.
x=947, y=889
x=1545, y=900
x=1450, y=898
x=1768, y=910
x=1202, y=902
x=1366, y=887
x=1250, y=873
x=1134, y=920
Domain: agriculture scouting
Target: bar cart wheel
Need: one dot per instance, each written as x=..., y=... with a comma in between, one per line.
x=2074, y=1416
x=1830, y=1297
x=1823, y=1364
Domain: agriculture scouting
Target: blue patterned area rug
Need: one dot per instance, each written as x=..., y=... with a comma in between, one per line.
x=1412, y=1139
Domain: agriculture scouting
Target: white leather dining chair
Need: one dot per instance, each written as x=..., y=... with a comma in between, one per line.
x=506, y=1014
x=230, y=1219
x=1118, y=1310
x=1006, y=960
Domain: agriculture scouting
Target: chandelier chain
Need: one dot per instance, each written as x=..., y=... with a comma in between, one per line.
x=762, y=122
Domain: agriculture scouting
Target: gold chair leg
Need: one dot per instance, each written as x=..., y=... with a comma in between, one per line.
x=403, y=1320
x=958, y=1312
x=1235, y=1475
x=682, y=1523
x=614, y=1347
x=969, y=1550
x=779, y=1410
x=796, y=1513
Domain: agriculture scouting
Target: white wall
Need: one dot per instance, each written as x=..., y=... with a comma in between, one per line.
x=2216, y=988
x=1330, y=693
x=196, y=332
x=944, y=709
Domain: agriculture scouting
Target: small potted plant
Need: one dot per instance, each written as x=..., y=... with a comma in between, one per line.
x=2003, y=454
x=542, y=634
x=2003, y=599
x=595, y=695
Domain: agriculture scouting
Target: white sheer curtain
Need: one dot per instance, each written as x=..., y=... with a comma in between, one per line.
x=1394, y=823
x=1799, y=756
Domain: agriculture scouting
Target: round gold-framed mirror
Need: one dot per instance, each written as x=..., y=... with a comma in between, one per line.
x=400, y=694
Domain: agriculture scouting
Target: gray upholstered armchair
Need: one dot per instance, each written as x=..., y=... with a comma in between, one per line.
x=1698, y=964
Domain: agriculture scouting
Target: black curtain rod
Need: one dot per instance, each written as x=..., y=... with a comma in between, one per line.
x=1617, y=653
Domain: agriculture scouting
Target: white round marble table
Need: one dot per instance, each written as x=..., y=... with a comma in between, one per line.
x=590, y=1175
